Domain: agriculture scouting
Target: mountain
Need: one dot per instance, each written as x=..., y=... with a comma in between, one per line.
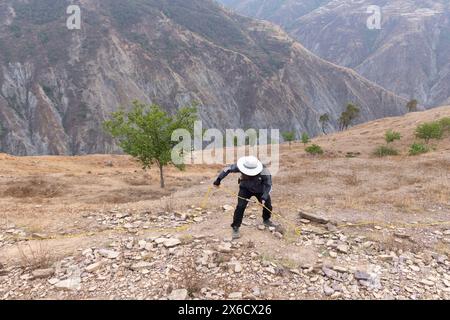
x=57, y=85
x=409, y=55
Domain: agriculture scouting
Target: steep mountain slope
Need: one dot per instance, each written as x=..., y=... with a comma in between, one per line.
x=58, y=85
x=282, y=12
x=410, y=55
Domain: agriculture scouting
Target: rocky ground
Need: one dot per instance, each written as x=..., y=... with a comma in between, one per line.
x=174, y=266
x=356, y=227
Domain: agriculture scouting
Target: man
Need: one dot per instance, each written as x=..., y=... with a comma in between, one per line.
x=255, y=181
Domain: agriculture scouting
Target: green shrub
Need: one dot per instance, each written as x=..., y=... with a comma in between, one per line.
x=314, y=149
x=418, y=148
x=430, y=130
x=289, y=136
x=305, y=138
x=391, y=136
x=383, y=151
x=445, y=123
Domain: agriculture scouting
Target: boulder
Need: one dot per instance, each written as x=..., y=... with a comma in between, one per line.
x=313, y=217
x=42, y=273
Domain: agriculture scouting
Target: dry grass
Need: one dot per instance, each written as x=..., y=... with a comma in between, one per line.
x=192, y=281
x=293, y=179
x=34, y=257
x=351, y=179
x=145, y=180
x=168, y=204
x=34, y=187
x=128, y=195
x=390, y=243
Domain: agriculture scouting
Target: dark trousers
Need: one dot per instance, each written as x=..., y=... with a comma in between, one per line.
x=242, y=204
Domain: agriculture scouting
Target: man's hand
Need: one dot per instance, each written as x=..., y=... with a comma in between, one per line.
x=217, y=183
x=263, y=201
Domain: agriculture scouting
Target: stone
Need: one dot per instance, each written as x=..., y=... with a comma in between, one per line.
x=361, y=275
x=87, y=252
x=72, y=283
x=343, y=248
x=414, y=268
x=295, y=271
x=43, y=273
x=172, y=242
x=227, y=207
x=53, y=281
x=40, y=236
x=327, y=290
x=331, y=227
x=181, y=216
x=160, y=240
x=141, y=265
x=198, y=219
x=427, y=282
x=110, y=254
x=224, y=247
x=178, y=294
x=386, y=257
x=237, y=267
x=261, y=227
x=401, y=235
x=446, y=282
x=313, y=217
x=330, y=273
x=340, y=269
x=94, y=266
x=235, y=295
x=142, y=244
x=278, y=235
x=305, y=221
x=270, y=270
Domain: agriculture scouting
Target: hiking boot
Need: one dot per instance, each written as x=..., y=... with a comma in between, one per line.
x=235, y=234
x=268, y=223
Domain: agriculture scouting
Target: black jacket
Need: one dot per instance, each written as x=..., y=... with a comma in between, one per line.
x=262, y=183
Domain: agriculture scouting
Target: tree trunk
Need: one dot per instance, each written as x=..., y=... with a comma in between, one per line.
x=161, y=175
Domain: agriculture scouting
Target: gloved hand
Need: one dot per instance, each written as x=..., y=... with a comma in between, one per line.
x=264, y=199
x=217, y=182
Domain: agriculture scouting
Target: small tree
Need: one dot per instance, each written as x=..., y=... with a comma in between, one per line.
x=429, y=130
x=391, y=136
x=288, y=136
x=146, y=131
x=305, y=138
x=348, y=116
x=411, y=106
x=324, y=120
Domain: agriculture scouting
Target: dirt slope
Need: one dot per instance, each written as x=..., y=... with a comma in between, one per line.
x=388, y=236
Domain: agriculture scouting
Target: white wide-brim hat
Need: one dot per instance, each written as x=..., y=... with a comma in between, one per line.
x=250, y=166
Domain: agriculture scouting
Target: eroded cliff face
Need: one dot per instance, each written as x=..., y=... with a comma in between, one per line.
x=409, y=55
x=57, y=86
